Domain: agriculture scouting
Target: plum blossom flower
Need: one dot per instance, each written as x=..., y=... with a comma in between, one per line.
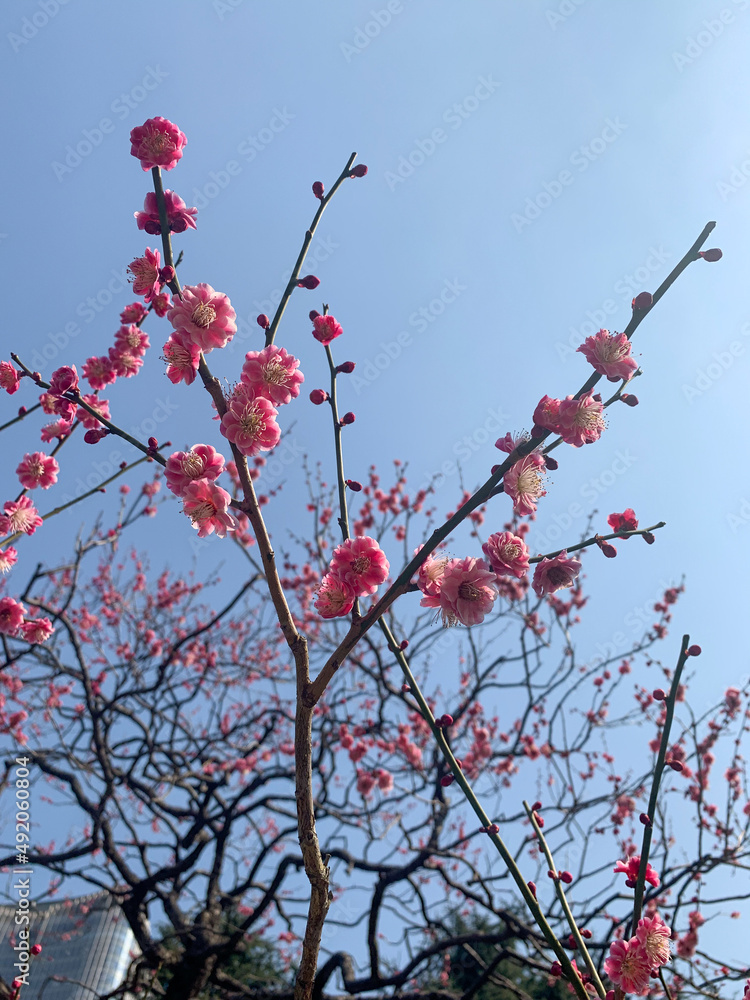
x=335, y=597
x=38, y=469
x=653, y=935
x=184, y=467
x=272, y=373
x=507, y=554
x=326, y=329
x=179, y=216
x=37, y=630
x=99, y=373
x=250, y=423
x=125, y=364
x=732, y=701
x=20, y=515
x=523, y=483
x=144, y=273
x=628, y=966
x=609, y=353
x=554, y=574
x=206, y=505
x=431, y=574
x=136, y=312
x=57, y=429
x=204, y=315
x=9, y=377
x=581, y=421
x=100, y=405
x=161, y=303
x=467, y=592
x=8, y=559
x=11, y=615
x=63, y=380
x=509, y=442
x=132, y=339
x=631, y=868
x=547, y=414
x=157, y=143
x=627, y=521
x=361, y=563
x=182, y=357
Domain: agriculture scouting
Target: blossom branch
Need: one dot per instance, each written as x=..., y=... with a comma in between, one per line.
x=600, y=538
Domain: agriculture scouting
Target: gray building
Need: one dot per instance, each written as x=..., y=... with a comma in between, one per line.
x=86, y=945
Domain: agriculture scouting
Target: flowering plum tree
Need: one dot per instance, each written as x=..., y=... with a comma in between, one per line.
x=288, y=767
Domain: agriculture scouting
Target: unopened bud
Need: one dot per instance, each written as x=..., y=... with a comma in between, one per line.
x=263, y=321
x=353, y=485
x=446, y=780
x=36, y=949
x=348, y=418
x=555, y=969
x=552, y=875
x=658, y=694
x=694, y=651
x=313, y=314
x=675, y=765
x=648, y=537
x=532, y=887
x=318, y=189
x=711, y=255
x=404, y=644
x=95, y=435
x=153, y=443
x=536, y=807
x=359, y=171
x=446, y=720
x=566, y=877
x=586, y=933
x=405, y=689
x=166, y=274
x=318, y=396
x=629, y=399
x=551, y=463
x=644, y=300
x=309, y=281
x=645, y=819
x=346, y=367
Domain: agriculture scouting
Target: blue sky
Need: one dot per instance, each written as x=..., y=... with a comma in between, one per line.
x=532, y=165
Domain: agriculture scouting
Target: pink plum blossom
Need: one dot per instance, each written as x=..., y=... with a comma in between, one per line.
x=38, y=469
x=547, y=413
x=37, y=630
x=20, y=515
x=204, y=315
x=335, y=597
x=507, y=554
x=361, y=563
x=144, y=273
x=100, y=405
x=627, y=521
x=63, y=380
x=9, y=377
x=653, y=935
x=206, y=504
x=125, y=364
x=554, y=574
x=609, y=353
x=11, y=615
x=249, y=423
x=99, y=373
x=58, y=429
x=179, y=216
x=136, y=312
x=161, y=303
x=8, y=559
x=182, y=357
x=184, y=467
x=631, y=868
x=509, y=442
x=581, y=421
x=628, y=966
x=431, y=574
x=272, y=373
x=523, y=483
x=326, y=329
x=467, y=592
x=132, y=339
x=157, y=143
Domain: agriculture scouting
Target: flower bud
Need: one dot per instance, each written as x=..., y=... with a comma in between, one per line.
x=536, y=807
x=551, y=463
x=658, y=694
x=405, y=689
x=555, y=969
x=346, y=367
x=629, y=399
x=353, y=485
x=153, y=443
x=675, y=765
x=552, y=875
x=359, y=171
x=309, y=281
x=566, y=877
x=318, y=189
x=694, y=651
x=95, y=435
x=263, y=321
x=531, y=885
x=586, y=933
x=608, y=550
x=648, y=537
x=318, y=396
x=446, y=720
x=313, y=315
x=645, y=819
x=711, y=255
x=348, y=418
x=404, y=644
x=166, y=274
x=644, y=300
x=36, y=949
x=446, y=780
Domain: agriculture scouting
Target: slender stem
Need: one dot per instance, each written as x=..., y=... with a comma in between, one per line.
x=599, y=538
x=341, y=484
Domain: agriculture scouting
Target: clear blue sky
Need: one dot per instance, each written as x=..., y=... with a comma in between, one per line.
x=534, y=163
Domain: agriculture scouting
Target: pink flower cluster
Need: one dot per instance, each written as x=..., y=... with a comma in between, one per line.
x=202, y=319
x=357, y=569
x=9, y=377
x=463, y=590
x=577, y=421
x=631, y=963
x=125, y=358
x=14, y=623
x=609, y=353
x=157, y=143
x=179, y=216
x=191, y=475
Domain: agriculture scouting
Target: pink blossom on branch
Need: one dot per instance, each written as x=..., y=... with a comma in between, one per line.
x=631, y=868
x=361, y=563
x=326, y=329
x=653, y=935
x=523, y=483
x=179, y=216
x=136, y=312
x=20, y=515
x=125, y=364
x=272, y=373
x=184, y=467
x=204, y=315
x=8, y=559
x=547, y=414
x=63, y=380
x=157, y=143
x=144, y=273
x=609, y=354
x=37, y=630
x=250, y=423
x=100, y=405
x=11, y=616
x=335, y=597
x=56, y=430
x=507, y=554
x=467, y=592
x=99, y=373
x=627, y=521
x=554, y=574
x=38, y=469
x=581, y=421
x=206, y=504
x=132, y=339
x=628, y=966
x=182, y=357
x=9, y=377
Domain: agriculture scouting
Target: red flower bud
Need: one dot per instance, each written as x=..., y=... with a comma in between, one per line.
x=153, y=443
x=22, y=411
x=346, y=367
x=446, y=720
x=586, y=933
x=263, y=321
x=555, y=969
x=648, y=538
x=313, y=314
x=711, y=255
x=531, y=885
x=405, y=689
x=36, y=949
x=166, y=274
x=552, y=875
x=318, y=396
x=551, y=463
x=95, y=435
x=645, y=819
x=309, y=281
x=446, y=780
x=348, y=418
x=609, y=550
x=629, y=399
x=658, y=694
x=493, y=828
x=694, y=651
x=675, y=765
x=359, y=171
x=644, y=300
x=566, y=877
x=404, y=644
x=318, y=189
x=536, y=807
x=353, y=485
